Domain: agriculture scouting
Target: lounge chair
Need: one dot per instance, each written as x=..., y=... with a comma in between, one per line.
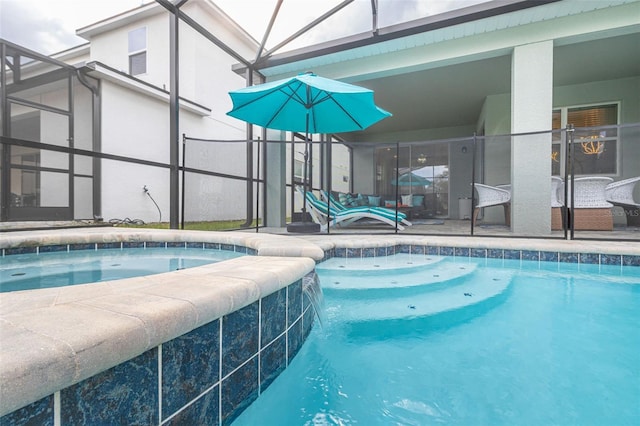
x=318, y=210
x=341, y=207
x=620, y=194
x=489, y=196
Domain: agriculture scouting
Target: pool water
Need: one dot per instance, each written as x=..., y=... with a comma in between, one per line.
x=479, y=342
x=57, y=269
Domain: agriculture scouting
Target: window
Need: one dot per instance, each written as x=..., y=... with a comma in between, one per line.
x=595, y=145
x=138, y=51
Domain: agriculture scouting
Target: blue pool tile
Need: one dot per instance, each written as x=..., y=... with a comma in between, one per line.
x=273, y=361
x=446, y=251
x=109, y=246
x=462, y=251
x=307, y=321
x=239, y=390
x=194, y=245
x=212, y=246
x=240, y=249
x=369, y=252
x=391, y=250
x=133, y=244
x=340, y=252
x=294, y=339
x=54, y=248
x=85, y=246
x=294, y=302
x=432, y=250
x=416, y=249
x=175, y=244
x=273, y=316
x=568, y=257
x=611, y=259
x=124, y=394
x=531, y=255
x=630, y=260
x=354, y=253
x=549, y=256
x=20, y=250
x=512, y=254
x=478, y=252
x=39, y=413
x=239, y=337
x=228, y=247
x=495, y=253
x=202, y=412
x=155, y=244
x=252, y=251
x=589, y=258
x=190, y=365
x=403, y=248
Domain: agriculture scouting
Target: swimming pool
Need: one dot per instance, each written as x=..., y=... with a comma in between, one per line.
x=418, y=340
x=58, y=269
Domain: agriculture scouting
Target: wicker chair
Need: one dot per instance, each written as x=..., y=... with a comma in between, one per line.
x=489, y=196
x=621, y=194
x=592, y=212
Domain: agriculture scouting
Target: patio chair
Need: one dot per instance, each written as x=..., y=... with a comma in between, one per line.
x=326, y=197
x=591, y=210
x=620, y=194
x=489, y=196
x=318, y=210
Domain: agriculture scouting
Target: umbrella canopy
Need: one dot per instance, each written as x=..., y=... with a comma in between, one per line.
x=411, y=179
x=307, y=103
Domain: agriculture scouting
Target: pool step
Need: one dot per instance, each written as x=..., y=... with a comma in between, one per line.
x=435, y=271
x=399, y=263
x=482, y=285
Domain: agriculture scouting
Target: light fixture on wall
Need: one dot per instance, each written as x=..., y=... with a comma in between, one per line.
x=593, y=146
x=421, y=159
x=463, y=149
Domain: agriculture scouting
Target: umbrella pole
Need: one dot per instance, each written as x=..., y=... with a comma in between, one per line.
x=305, y=173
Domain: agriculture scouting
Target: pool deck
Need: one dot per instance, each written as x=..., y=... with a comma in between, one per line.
x=52, y=338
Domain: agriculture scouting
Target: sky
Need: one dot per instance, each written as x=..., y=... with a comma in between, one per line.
x=48, y=26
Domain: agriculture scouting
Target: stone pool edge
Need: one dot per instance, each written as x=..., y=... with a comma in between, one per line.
x=54, y=338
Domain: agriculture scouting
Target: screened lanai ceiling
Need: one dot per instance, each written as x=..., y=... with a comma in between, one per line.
x=444, y=95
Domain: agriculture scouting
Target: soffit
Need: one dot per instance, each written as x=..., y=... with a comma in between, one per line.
x=291, y=62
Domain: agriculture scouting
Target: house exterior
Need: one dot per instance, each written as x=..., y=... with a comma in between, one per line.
x=125, y=61
x=458, y=83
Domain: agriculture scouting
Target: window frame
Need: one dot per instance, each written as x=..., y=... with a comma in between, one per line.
x=564, y=114
x=137, y=52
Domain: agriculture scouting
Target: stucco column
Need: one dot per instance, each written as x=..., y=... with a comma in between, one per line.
x=276, y=196
x=531, y=107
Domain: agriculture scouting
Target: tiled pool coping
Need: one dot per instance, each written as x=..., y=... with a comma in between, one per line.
x=31, y=320
x=56, y=337
x=583, y=252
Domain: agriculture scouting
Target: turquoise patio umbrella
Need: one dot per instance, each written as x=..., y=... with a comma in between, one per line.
x=307, y=103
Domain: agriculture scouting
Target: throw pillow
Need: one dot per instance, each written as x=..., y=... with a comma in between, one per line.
x=418, y=200
x=407, y=200
x=374, y=201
